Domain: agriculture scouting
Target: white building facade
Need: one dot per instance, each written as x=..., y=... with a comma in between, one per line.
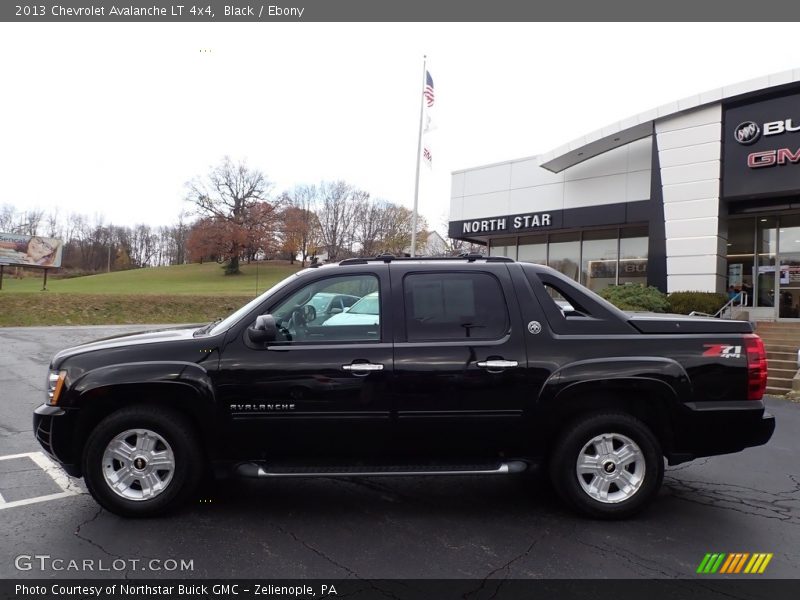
x=699, y=194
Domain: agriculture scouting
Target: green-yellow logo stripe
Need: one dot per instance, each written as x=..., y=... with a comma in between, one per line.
x=765, y=563
x=703, y=563
x=758, y=563
x=723, y=563
x=741, y=562
x=717, y=564
x=728, y=564
x=711, y=562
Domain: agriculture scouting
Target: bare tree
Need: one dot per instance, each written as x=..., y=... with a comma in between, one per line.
x=261, y=225
x=301, y=229
x=336, y=212
x=454, y=247
x=7, y=217
x=144, y=249
x=30, y=222
x=179, y=236
x=397, y=237
x=228, y=193
x=53, y=224
x=372, y=226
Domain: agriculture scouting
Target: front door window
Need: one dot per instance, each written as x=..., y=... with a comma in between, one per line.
x=769, y=272
x=789, y=276
x=766, y=247
x=334, y=310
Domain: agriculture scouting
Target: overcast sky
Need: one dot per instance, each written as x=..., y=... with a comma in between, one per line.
x=113, y=119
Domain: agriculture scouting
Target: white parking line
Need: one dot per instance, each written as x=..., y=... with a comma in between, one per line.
x=52, y=470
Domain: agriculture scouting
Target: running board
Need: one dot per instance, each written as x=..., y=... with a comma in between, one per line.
x=264, y=470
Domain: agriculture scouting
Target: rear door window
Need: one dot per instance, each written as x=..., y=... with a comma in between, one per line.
x=454, y=306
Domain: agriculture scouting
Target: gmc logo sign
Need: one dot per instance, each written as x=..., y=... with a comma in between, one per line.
x=761, y=148
x=770, y=158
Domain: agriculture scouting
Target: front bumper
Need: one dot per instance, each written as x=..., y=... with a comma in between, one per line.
x=711, y=428
x=54, y=428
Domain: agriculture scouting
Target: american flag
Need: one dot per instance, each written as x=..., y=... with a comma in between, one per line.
x=428, y=93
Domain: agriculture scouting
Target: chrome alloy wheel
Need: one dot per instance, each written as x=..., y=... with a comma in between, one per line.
x=610, y=468
x=138, y=464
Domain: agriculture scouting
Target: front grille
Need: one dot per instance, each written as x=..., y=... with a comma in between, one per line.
x=44, y=433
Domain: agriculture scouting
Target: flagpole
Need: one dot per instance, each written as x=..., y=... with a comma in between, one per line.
x=419, y=158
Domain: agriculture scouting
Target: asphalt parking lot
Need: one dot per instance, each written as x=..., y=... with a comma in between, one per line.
x=461, y=527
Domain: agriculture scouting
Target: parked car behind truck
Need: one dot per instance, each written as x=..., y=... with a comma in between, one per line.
x=470, y=367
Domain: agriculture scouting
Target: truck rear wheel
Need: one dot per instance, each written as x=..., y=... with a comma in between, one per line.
x=607, y=466
x=142, y=461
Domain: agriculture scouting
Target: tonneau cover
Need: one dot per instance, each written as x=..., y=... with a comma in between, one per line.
x=666, y=323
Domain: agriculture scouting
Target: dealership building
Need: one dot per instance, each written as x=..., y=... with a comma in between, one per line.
x=699, y=194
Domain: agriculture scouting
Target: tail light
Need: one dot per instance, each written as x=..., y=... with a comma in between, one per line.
x=756, y=366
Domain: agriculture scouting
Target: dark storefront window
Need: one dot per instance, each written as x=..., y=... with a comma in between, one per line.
x=504, y=247
x=565, y=253
x=633, y=255
x=533, y=249
x=767, y=248
x=741, y=242
x=789, y=278
x=596, y=258
x=764, y=262
x=599, y=258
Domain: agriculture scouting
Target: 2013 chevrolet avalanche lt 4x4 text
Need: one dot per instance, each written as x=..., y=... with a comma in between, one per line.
x=479, y=366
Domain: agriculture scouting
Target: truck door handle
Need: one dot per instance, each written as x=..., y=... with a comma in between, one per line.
x=362, y=368
x=497, y=364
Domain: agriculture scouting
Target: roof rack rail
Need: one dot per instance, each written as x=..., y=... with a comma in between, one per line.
x=473, y=256
x=499, y=259
x=387, y=258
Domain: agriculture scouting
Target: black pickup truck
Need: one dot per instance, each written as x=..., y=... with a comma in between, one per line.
x=476, y=366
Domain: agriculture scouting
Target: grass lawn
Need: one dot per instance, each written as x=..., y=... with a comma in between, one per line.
x=181, y=279
x=27, y=310
x=179, y=294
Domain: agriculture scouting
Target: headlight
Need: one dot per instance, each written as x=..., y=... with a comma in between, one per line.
x=55, y=385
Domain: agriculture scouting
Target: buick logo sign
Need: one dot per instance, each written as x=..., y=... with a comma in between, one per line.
x=747, y=133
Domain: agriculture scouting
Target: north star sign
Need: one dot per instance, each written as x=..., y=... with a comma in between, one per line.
x=519, y=222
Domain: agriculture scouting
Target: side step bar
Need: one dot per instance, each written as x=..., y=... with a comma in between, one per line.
x=263, y=470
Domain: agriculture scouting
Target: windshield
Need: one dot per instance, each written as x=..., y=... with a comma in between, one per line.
x=233, y=318
x=368, y=305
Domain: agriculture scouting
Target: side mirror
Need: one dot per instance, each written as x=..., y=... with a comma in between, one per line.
x=336, y=311
x=264, y=330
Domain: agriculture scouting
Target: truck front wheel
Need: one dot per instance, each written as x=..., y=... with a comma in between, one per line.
x=607, y=466
x=142, y=461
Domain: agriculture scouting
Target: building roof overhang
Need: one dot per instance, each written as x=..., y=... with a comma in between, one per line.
x=642, y=125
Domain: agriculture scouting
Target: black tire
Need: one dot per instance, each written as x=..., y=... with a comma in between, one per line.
x=181, y=481
x=623, y=500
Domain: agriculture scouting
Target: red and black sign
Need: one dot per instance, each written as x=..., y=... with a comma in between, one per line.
x=761, y=148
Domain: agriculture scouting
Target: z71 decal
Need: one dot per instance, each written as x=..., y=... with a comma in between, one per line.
x=723, y=351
